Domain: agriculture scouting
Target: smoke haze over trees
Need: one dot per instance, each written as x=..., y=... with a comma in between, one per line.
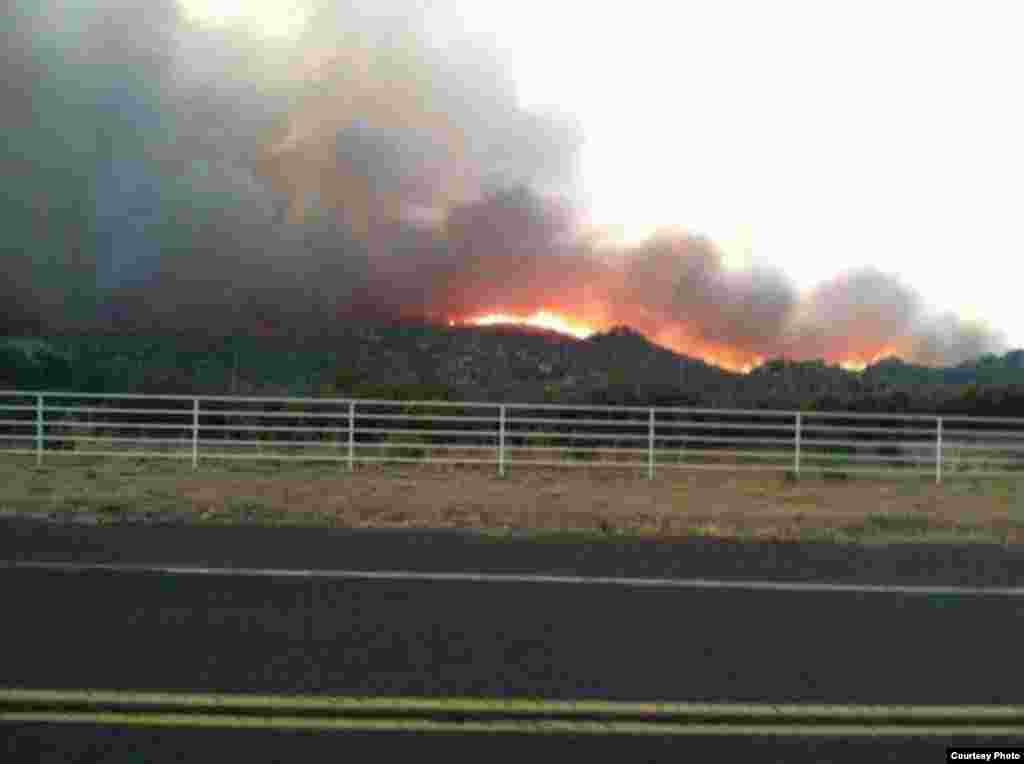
x=161, y=175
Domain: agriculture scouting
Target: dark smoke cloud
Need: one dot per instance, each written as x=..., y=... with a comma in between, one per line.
x=681, y=286
x=509, y=252
x=161, y=174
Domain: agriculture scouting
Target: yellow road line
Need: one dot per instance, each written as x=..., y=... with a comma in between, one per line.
x=339, y=704
x=535, y=727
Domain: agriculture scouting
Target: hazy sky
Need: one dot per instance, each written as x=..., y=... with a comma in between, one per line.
x=870, y=133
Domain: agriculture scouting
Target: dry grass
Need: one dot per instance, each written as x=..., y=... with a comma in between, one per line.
x=607, y=503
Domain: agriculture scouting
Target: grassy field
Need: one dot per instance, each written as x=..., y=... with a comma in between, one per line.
x=593, y=503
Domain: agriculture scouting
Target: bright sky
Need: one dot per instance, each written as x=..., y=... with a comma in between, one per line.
x=885, y=133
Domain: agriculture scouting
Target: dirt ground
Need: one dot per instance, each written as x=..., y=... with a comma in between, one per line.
x=590, y=500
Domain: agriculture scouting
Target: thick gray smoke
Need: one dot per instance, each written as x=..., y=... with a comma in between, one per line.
x=162, y=174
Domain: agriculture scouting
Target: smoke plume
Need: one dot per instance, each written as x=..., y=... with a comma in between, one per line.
x=159, y=173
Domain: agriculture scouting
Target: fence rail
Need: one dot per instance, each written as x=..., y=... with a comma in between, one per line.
x=505, y=435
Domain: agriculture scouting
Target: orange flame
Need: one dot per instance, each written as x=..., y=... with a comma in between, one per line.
x=725, y=357
x=862, y=362
x=853, y=365
x=720, y=356
x=542, y=319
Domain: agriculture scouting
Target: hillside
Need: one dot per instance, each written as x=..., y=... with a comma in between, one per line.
x=492, y=363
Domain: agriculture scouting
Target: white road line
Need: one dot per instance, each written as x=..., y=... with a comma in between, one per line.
x=513, y=578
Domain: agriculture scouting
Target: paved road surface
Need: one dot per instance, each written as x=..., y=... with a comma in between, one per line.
x=402, y=638
x=932, y=564
x=431, y=638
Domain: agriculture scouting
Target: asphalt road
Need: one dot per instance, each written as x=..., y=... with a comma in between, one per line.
x=269, y=634
x=927, y=564
x=428, y=638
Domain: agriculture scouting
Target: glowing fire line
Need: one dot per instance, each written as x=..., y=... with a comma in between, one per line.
x=549, y=321
x=542, y=319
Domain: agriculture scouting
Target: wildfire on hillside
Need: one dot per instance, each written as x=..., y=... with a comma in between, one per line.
x=460, y=208
x=379, y=165
x=731, y=359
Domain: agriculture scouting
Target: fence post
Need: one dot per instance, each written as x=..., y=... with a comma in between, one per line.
x=501, y=440
x=938, y=450
x=39, y=429
x=650, y=446
x=195, y=433
x=796, y=458
x=351, y=435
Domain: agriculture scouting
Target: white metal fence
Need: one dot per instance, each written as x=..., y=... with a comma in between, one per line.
x=505, y=435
